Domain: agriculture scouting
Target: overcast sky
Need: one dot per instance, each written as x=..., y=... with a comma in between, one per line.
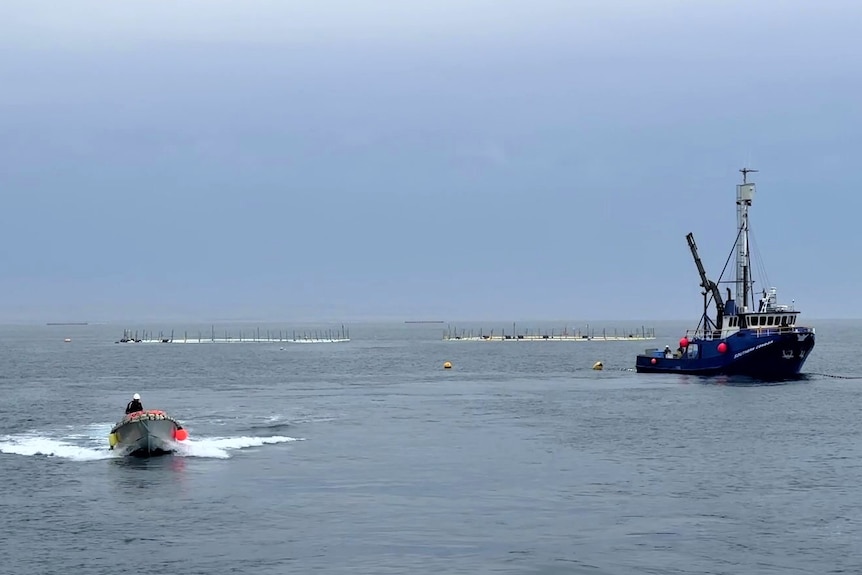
x=446, y=159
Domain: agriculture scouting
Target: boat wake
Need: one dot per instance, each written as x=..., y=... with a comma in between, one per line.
x=91, y=444
x=45, y=446
x=220, y=447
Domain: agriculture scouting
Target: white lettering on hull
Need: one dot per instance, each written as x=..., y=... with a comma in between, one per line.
x=750, y=349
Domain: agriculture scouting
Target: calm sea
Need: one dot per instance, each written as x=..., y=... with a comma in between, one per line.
x=368, y=457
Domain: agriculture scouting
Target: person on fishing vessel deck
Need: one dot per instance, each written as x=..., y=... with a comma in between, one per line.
x=134, y=405
x=667, y=352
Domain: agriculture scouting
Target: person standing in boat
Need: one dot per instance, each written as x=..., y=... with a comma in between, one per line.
x=667, y=352
x=134, y=405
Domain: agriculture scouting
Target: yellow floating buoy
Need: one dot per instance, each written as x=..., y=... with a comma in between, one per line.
x=598, y=366
x=447, y=365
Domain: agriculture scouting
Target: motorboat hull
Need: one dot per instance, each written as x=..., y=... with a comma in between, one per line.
x=146, y=434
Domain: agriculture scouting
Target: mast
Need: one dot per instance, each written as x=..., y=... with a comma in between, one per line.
x=744, y=197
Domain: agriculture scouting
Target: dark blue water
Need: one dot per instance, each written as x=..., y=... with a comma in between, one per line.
x=368, y=457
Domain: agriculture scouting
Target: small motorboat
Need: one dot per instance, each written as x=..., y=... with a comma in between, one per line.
x=146, y=433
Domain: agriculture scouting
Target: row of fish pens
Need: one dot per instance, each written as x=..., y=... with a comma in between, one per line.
x=564, y=334
x=254, y=336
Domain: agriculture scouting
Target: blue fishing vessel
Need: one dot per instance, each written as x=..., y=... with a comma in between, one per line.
x=759, y=339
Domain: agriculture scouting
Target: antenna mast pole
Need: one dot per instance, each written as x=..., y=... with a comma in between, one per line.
x=744, y=197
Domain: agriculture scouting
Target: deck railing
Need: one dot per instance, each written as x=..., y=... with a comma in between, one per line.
x=757, y=331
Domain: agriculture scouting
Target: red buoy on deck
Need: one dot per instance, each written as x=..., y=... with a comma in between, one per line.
x=722, y=347
x=683, y=342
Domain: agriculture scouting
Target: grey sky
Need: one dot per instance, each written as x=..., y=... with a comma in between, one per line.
x=454, y=160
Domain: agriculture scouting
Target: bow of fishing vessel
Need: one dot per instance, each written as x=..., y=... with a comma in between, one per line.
x=146, y=434
x=760, y=339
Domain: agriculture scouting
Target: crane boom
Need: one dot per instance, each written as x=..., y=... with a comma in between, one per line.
x=706, y=283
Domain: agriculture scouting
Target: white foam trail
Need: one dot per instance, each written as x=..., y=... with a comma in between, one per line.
x=91, y=443
x=32, y=445
x=220, y=447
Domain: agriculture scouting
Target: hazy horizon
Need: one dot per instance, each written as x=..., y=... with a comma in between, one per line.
x=466, y=323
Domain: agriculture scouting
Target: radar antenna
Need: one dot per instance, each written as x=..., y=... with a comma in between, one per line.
x=745, y=172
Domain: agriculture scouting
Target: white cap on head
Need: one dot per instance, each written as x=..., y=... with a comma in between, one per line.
x=136, y=396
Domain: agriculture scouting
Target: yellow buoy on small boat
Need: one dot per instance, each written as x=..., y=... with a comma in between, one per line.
x=598, y=366
x=447, y=365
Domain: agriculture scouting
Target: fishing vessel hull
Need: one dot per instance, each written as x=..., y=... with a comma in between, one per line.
x=758, y=354
x=146, y=434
